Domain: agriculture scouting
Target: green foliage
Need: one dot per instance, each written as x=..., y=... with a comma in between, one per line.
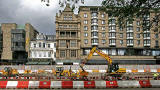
x=130, y=9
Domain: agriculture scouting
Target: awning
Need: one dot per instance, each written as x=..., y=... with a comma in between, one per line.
x=32, y=63
x=43, y=63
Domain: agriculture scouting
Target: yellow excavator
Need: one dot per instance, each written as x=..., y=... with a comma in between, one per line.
x=113, y=68
x=8, y=71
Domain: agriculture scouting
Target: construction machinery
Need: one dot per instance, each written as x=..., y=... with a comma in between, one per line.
x=66, y=73
x=8, y=71
x=113, y=68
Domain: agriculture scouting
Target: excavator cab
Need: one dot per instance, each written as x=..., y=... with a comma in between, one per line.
x=59, y=71
x=113, y=67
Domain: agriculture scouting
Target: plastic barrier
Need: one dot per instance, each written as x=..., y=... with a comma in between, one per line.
x=89, y=84
x=33, y=84
x=12, y=84
x=3, y=84
x=155, y=83
x=111, y=84
x=100, y=84
x=67, y=84
x=56, y=84
x=78, y=84
x=44, y=84
x=23, y=84
x=145, y=83
x=128, y=84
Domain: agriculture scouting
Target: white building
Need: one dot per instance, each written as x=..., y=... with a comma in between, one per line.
x=43, y=48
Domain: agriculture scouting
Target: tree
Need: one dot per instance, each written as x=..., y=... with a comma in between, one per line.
x=129, y=9
x=62, y=3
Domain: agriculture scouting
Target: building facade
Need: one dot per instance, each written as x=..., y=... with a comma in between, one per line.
x=1, y=43
x=43, y=48
x=16, y=39
x=67, y=35
x=137, y=42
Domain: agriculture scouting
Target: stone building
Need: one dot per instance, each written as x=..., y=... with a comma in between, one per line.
x=68, y=36
x=0, y=42
x=42, y=50
x=16, y=40
x=136, y=43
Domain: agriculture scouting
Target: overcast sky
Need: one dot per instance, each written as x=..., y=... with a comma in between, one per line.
x=34, y=12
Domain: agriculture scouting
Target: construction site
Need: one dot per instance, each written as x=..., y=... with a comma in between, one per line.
x=112, y=75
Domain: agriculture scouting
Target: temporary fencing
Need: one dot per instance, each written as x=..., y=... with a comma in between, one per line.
x=79, y=84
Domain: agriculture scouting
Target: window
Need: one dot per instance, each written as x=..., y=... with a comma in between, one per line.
x=94, y=34
x=54, y=45
x=138, y=42
x=146, y=23
x=70, y=26
x=112, y=34
x=62, y=43
x=65, y=26
x=129, y=28
x=121, y=35
x=86, y=41
x=94, y=40
x=145, y=35
x=129, y=34
x=85, y=28
x=103, y=41
x=112, y=41
x=44, y=45
x=121, y=42
x=138, y=35
x=147, y=41
x=103, y=15
x=85, y=34
x=73, y=53
x=121, y=28
x=138, y=23
x=40, y=54
x=85, y=22
x=112, y=27
x=103, y=34
x=49, y=45
x=94, y=21
x=73, y=43
x=62, y=54
x=94, y=27
x=44, y=54
x=156, y=35
x=103, y=28
x=94, y=14
x=129, y=22
x=156, y=43
x=112, y=21
x=138, y=29
x=85, y=15
x=39, y=44
x=103, y=21
x=49, y=54
x=67, y=17
x=129, y=41
x=34, y=45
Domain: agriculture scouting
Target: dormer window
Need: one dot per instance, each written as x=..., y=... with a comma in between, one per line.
x=67, y=17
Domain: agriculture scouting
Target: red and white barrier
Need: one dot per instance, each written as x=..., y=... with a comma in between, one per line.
x=79, y=84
